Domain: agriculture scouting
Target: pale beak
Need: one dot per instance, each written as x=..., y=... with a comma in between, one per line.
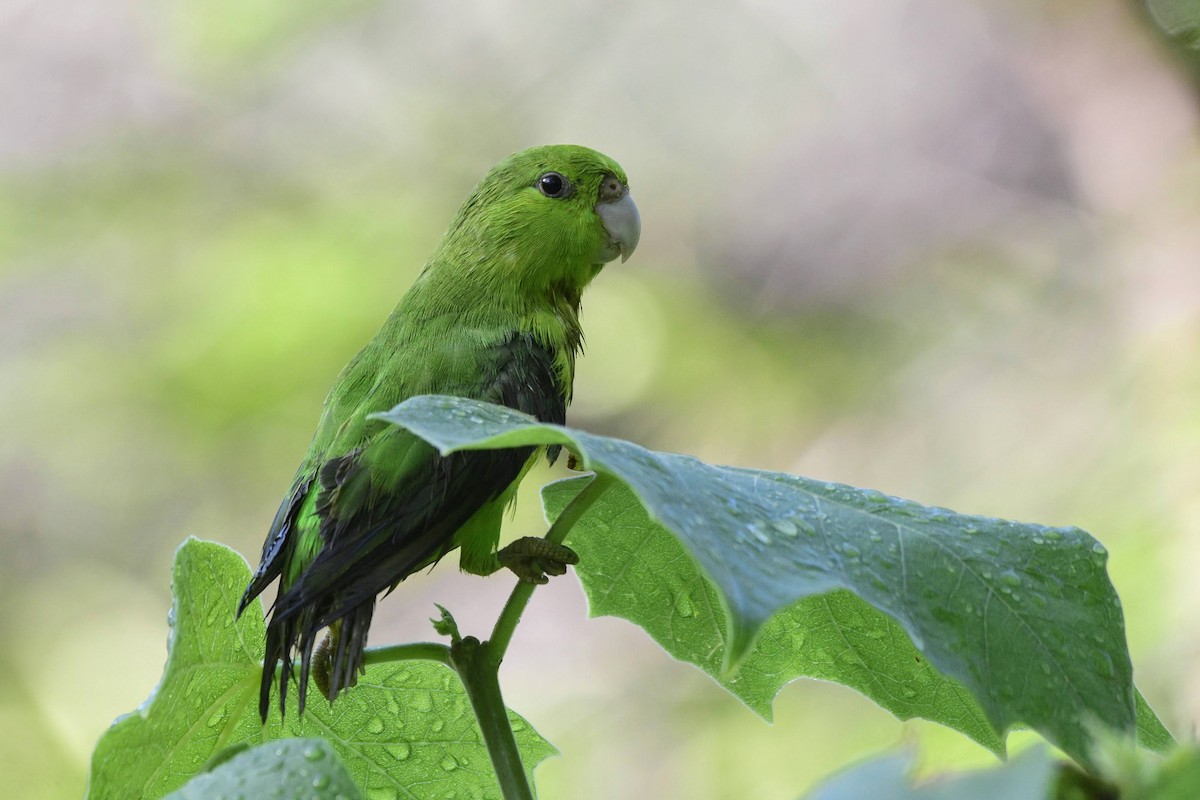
x=623, y=224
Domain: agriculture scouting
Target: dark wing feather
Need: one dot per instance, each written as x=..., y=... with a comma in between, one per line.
x=275, y=548
x=385, y=510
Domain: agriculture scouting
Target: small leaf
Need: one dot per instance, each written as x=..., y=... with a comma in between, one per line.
x=446, y=626
x=1136, y=774
x=407, y=729
x=1029, y=776
x=1022, y=617
x=1151, y=734
x=305, y=768
x=1177, y=777
x=1178, y=19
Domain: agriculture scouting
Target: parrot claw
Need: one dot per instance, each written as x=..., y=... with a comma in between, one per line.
x=533, y=559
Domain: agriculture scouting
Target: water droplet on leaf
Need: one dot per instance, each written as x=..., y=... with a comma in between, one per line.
x=786, y=527
x=400, y=751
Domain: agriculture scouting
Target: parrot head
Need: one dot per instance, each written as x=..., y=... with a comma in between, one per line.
x=554, y=215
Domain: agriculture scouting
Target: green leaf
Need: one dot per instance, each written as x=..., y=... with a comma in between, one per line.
x=1014, y=624
x=634, y=569
x=1177, y=777
x=307, y=768
x=406, y=730
x=1151, y=733
x=1177, y=18
x=1029, y=776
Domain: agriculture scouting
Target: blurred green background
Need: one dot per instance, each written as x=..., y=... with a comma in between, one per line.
x=940, y=248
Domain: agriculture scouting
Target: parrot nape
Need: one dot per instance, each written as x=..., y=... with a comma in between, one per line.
x=493, y=316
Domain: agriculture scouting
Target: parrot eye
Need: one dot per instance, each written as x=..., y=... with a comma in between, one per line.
x=554, y=185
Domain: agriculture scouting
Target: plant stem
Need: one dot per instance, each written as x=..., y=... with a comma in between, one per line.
x=478, y=663
x=515, y=607
x=475, y=667
x=430, y=651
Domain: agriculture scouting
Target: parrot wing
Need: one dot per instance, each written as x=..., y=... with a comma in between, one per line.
x=384, y=510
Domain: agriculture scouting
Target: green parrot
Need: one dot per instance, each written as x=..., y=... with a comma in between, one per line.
x=493, y=316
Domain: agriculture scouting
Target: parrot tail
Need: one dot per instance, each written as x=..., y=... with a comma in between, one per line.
x=348, y=639
x=339, y=658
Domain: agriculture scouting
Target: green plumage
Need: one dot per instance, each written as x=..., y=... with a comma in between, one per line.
x=493, y=316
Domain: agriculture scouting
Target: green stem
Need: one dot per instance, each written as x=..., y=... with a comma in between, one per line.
x=429, y=651
x=475, y=667
x=478, y=664
x=414, y=651
x=506, y=624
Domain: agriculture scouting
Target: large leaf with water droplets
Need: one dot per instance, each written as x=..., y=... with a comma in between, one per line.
x=406, y=730
x=634, y=569
x=301, y=768
x=978, y=623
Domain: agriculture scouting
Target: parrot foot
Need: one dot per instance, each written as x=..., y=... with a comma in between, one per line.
x=532, y=559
